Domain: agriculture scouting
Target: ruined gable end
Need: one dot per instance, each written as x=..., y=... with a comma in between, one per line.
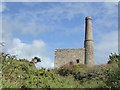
x=69, y=56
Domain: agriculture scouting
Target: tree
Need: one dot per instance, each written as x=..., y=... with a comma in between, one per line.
x=113, y=58
x=36, y=60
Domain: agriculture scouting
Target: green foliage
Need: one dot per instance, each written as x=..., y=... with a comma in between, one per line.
x=23, y=74
x=36, y=60
x=113, y=58
x=113, y=72
x=113, y=76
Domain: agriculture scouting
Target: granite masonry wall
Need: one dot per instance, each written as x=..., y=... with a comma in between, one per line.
x=69, y=56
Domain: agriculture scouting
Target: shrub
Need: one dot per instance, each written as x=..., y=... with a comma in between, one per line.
x=113, y=58
x=23, y=74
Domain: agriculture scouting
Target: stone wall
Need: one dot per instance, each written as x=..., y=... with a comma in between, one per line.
x=67, y=56
x=89, y=52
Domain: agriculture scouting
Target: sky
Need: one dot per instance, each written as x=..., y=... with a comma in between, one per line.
x=38, y=28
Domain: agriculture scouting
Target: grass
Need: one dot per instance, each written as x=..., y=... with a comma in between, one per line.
x=23, y=74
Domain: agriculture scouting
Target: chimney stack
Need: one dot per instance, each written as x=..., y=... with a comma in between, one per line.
x=89, y=43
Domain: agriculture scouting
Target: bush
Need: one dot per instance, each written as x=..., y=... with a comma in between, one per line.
x=23, y=74
x=113, y=58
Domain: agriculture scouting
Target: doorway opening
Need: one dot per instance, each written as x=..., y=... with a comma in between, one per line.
x=77, y=61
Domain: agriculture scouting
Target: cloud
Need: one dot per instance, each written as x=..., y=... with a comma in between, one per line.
x=108, y=44
x=14, y=46
x=28, y=51
x=41, y=20
x=46, y=19
x=109, y=16
x=2, y=7
x=46, y=63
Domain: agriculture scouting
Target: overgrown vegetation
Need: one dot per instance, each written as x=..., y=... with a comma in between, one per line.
x=23, y=74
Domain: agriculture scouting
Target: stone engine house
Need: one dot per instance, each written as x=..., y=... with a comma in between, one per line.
x=78, y=55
